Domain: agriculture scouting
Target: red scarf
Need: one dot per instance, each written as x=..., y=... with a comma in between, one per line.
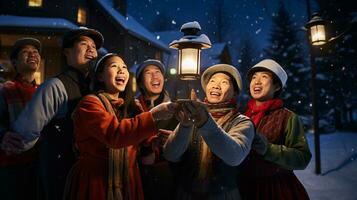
x=256, y=113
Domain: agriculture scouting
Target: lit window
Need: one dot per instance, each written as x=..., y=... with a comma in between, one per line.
x=35, y=3
x=158, y=55
x=81, y=16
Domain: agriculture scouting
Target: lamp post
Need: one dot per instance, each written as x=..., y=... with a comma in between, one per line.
x=189, y=51
x=317, y=36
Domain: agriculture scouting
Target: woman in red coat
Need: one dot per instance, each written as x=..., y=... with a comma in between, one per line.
x=107, y=126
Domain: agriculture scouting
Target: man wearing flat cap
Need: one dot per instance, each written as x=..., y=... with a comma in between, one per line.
x=156, y=174
x=18, y=172
x=48, y=114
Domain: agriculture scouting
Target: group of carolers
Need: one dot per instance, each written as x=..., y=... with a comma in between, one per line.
x=82, y=134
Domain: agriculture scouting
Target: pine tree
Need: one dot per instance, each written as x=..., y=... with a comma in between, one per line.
x=247, y=58
x=338, y=63
x=285, y=48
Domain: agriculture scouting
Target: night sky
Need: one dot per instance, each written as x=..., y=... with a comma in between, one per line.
x=239, y=18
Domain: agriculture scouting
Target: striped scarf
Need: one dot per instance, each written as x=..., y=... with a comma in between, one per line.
x=222, y=113
x=218, y=110
x=118, y=178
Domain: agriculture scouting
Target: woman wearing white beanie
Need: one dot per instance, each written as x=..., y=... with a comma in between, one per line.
x=279, y=146
x=208, y=147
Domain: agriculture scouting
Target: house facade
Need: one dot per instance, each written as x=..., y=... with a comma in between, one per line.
x=48, y=20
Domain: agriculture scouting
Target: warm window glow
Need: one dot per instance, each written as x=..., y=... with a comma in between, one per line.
x=38, y=77
x=81, y=16
x=189, y=62
x=318, y=36
x=35, y=3
x=134, y=85
x=40, y=74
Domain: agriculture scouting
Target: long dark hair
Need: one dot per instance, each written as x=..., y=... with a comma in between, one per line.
x=129, y=109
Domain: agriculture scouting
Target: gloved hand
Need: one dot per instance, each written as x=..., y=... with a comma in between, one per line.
x=12, y=143
x=196, y=111
x=183, y=117
x=260, y=143
x=164, y=111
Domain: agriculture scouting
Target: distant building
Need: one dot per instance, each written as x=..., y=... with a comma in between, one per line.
x=49, y=20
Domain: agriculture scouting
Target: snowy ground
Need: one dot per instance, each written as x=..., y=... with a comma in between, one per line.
x=338, y=179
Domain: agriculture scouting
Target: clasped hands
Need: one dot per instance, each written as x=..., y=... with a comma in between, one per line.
x=191, y=112
x=188, y=111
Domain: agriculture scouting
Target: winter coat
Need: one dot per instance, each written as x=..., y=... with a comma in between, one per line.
x=270, y=176
x=229, y=142
x=96, y=130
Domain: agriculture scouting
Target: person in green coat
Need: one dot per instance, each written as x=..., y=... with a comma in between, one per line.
x=279, y=145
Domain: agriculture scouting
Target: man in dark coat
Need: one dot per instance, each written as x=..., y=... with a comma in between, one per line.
x=48, y=114
x=157, y=177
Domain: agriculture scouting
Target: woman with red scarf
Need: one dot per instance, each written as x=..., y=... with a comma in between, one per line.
x=211, y=139
x=279, y=146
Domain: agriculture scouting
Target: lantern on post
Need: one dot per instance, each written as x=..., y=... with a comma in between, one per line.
x=316, y=28
x=189, y=50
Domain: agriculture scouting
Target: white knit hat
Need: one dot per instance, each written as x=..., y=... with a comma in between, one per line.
x=272, y=66
x=221, y=68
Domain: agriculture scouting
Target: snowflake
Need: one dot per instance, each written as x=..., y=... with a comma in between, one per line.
x=157, y=12
x=258, y=31
x=173, y=22
x=158, y=37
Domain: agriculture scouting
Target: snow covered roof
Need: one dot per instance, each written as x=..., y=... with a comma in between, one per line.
x=131, y=25
x=168, y=36
x=209, y=56
x=35, y=22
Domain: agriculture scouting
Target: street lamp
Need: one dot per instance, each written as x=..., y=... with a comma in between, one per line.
x=189, y=50
x=317, y=36
x=317, y=31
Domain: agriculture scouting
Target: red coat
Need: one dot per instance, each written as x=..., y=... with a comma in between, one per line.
x=95, y=131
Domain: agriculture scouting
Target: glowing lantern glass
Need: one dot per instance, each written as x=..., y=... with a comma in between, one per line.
x=189, y=50
x=317, y=31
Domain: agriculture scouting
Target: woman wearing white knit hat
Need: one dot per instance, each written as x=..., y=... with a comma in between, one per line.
x=279, y=146
x=208, y=147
